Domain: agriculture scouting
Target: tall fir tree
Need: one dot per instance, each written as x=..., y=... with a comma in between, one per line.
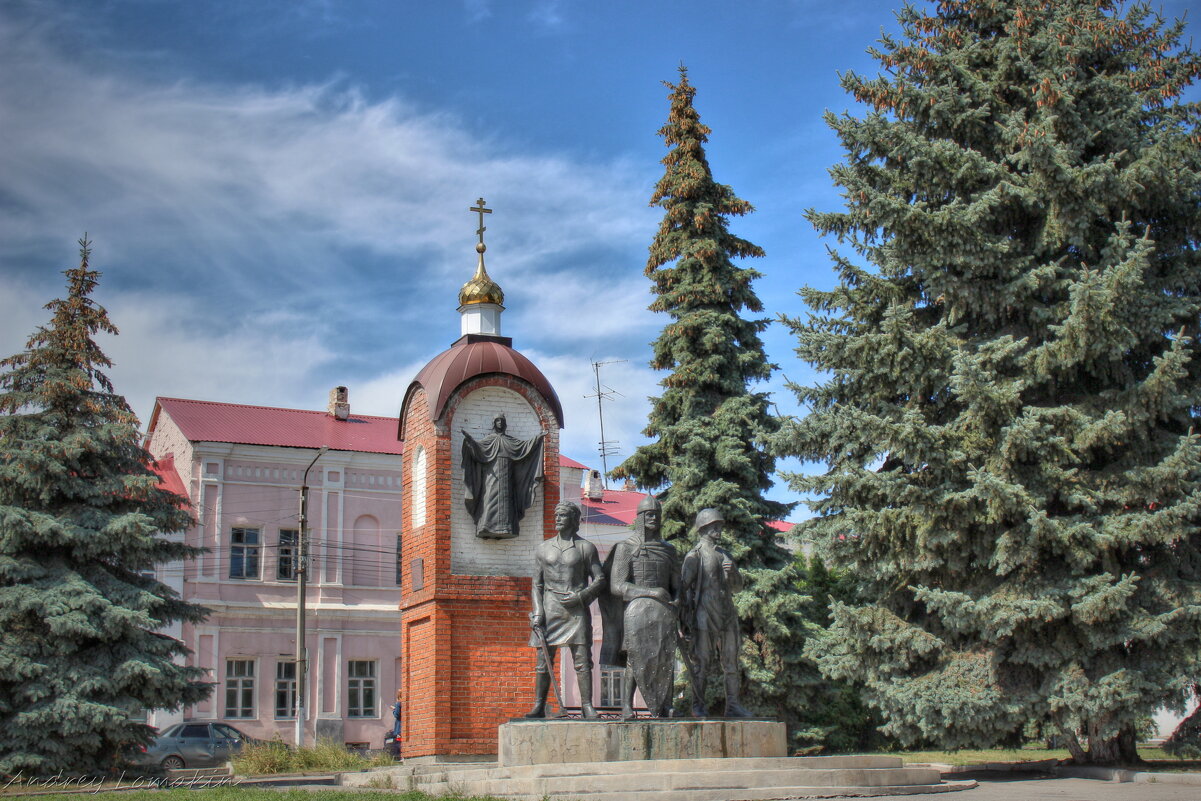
x=836, y=715
x=81, y=515
x=1012, y=383
x=708, y=429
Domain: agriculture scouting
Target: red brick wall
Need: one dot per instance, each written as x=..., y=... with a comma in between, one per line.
x=466, y=664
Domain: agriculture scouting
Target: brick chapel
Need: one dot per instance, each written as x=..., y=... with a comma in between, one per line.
x=465, y=665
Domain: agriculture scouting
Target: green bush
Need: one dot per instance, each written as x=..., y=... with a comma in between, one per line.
x=278, y=757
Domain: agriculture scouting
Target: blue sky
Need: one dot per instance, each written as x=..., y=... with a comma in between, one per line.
x=278, y=190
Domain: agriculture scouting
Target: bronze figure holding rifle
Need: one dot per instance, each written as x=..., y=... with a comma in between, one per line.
x=567, y=578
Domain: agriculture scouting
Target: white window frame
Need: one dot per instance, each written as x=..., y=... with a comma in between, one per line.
x=285, y=684
x=361, y=689
x=239, y=682
x=612, y=681
x=246, y=551
x=287, y=553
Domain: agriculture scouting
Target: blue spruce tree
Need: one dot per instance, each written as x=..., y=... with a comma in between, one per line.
x=81, y=516
x=1012, y=383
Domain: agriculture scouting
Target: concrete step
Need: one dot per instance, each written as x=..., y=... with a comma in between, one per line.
x=669, y=781
x=745, y=779
x=678, y=765
x=405, y=776
x=426, y=768
x=744, y=793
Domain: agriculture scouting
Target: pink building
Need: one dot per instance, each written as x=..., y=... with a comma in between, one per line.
x=242, y=467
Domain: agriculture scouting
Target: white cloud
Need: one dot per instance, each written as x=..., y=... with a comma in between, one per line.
x=625, y=414
x=383, y=394
x=477, y=10
x=282, y=190
x=166, y=350
x=167, y=347
x=22, y=312
x=584, y=307
x=249, y=234
x=546, y=14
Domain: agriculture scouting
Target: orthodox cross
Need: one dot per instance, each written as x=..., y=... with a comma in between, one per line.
x=481, y=211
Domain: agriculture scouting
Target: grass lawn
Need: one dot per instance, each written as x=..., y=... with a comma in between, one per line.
x=235, y=793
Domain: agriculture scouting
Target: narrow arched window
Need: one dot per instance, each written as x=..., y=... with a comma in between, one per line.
x=417, y=501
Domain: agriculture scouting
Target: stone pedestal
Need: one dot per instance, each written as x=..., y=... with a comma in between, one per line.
x=538, y=742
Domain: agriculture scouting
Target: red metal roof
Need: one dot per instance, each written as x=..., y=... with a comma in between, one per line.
x=615, y=508
x=567, y=461
x=168, y=476
x=619, y=507
x=206, y=421
x=471, y=357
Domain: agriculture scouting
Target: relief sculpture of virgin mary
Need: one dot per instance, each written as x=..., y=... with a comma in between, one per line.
x=501, y=474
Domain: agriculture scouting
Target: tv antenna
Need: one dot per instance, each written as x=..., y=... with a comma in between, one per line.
x=603, y=393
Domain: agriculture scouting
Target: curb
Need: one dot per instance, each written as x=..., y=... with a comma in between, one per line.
x=1132, y=776
x=289, y=780
x=1052, y=766
x=1041, y=766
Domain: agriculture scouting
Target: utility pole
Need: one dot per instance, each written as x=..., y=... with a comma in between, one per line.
x=607, y=448
x=302, y=575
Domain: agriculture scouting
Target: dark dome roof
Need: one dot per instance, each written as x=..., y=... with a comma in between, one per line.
x=473, y=356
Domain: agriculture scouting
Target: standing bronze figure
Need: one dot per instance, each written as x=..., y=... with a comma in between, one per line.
x=708, y=581
x=500, y=474
x=567, y=578
x=640, y=619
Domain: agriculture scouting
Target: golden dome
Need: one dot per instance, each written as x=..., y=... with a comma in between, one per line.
x=481, y=288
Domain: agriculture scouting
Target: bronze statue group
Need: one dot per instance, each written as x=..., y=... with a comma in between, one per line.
x=651, y=603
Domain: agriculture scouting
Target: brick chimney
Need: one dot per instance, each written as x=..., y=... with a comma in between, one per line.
x=594, y=486
x=339, y=403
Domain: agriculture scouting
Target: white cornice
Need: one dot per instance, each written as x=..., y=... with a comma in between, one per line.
x=273, y=608
x=280, y=454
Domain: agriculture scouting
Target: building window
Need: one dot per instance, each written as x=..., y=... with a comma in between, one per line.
x=285, y=564
x=244, y=553
x=611, y=686
x=239, y=688
x=285, y=689
x=360, y=695
x=417, y=487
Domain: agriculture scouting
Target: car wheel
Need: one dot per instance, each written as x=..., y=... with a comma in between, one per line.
x=173, y=763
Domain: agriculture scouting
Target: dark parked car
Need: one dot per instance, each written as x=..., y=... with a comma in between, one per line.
x=193, y=745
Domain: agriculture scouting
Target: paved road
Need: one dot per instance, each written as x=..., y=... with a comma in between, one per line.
x=1040, y=788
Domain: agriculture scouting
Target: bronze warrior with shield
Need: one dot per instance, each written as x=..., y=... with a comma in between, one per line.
x=640, y=613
